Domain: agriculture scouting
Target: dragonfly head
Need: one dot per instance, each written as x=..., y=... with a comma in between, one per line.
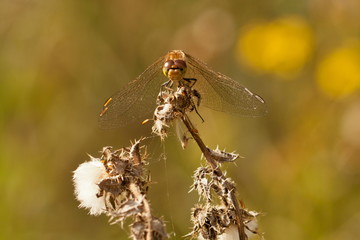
x=174, y=69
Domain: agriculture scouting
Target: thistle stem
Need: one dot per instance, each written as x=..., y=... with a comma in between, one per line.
x=147, y=211
x=215, y=167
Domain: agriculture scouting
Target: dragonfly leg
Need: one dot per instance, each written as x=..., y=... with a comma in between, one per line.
x=199, y=114
x=194, y=93
x=197, y=95
x=166, y=85
x=191, y=81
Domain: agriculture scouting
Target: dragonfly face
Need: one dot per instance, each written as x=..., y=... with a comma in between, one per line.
x=175, y=66
x=174, y=69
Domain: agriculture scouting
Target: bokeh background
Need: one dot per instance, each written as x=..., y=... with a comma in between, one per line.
x=60, y=60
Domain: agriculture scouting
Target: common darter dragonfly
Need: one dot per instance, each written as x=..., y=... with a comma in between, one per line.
x=137, y=100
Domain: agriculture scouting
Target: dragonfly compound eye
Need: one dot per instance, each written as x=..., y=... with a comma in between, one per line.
x=167, y=66
x=181, y=64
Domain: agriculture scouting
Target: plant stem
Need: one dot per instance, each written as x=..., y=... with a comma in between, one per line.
x=147, y=211
x=195, y=134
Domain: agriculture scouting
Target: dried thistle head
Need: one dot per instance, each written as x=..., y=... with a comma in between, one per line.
x=211, y=221
x=102, y=184
x=228, y=219
x=220, y=223
x=207, y=182
x=139, y=231
x=116, y=184
x=172, y=105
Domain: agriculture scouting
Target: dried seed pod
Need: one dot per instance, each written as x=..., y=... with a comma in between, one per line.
x=222, y=156
x=157, y=231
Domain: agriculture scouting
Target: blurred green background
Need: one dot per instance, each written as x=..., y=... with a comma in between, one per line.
x=60, y=60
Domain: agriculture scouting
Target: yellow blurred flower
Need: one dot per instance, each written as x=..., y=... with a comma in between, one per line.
x=281, y=47
x=338, y=74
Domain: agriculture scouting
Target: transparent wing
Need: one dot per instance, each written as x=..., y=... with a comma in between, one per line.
x=222, y=93
x=137, y=100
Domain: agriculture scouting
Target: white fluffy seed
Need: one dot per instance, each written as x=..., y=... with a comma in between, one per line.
x=86, y=178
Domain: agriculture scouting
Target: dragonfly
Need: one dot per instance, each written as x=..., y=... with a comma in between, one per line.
x=137, y=100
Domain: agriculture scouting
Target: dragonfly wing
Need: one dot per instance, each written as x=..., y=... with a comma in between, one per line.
x=136, y=101
x=222, y=93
